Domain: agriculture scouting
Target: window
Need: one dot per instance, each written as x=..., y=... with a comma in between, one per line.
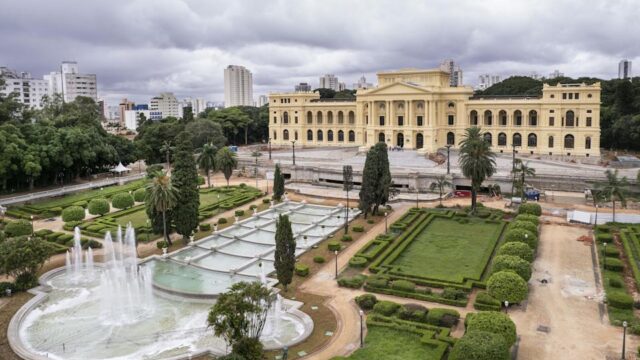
x=552, y=96
x=568, y=142
x=451, y=120
x=550, y=145
x=451, y=105
x=400, y=120
x=564, y=96
x=532, y=140
x=295, y=135
x=340, y=136
x=577, y=96
x=275, y=135
x=419, y=120
x=570, y=96
x=517, y=140
x=352, y=117
x=552, y=121
x=340, y=117
x=488, y=118
x=517, y=118
x=285, y=117
x=309, y=117
x=488, y=138
x=502, y=118
x=588, y=111
x=587, y=143
x=570, y=119
x=533, y=118
x=502, y=139
x=589, y=96
x=330, y=135
x=451, y=138
x=309, y=135
x=330, y=117
x=352, y=136
x=419, y=141
x=381, y=120
x=319, y=117
x=285, y=134
x=588, y=121
x=296, y=119
x=473, y=118
x=320, y=137
x=381, y=137
x=275, y=119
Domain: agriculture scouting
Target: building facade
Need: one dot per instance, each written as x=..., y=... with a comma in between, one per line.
x=302, y=87
x=28, y=91
x=70, y=83
x=238, y=86
x=419, y=109
x=167, y=104
x=624, y=69
x=329, y=81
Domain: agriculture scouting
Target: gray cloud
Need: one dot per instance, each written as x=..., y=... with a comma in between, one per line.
x=140, y=48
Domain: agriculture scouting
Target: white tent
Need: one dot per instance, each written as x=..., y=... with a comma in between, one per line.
x=120, y=169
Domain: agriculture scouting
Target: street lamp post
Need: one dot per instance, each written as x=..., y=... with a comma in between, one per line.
x=269, y=148
x=32, y=229
x=293, y=144
x=148, y=228
x=336, y=253
x=448, y=146
x=285, y=352
x=624, y=339
x=596, y=223
x=2, y=211
x=604, y=256
x=385, y=223
x=506, y=306
x=513, y=170
x=361, y=329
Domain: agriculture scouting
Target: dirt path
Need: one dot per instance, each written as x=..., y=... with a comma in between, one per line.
x=567, y=305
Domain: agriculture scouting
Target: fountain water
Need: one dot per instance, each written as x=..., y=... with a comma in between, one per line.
x=79, y=263
x=126, y=288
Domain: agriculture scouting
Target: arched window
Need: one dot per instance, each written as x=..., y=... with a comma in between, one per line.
x=319, y=117
x=275, y=135
x=488, y=138
x=550, y=142
x=488, y=118
x=352, y=136
x=285, y=134
x=517, y=140
x=309, y=135
x=568, y=142
x=570, y=119
x=329, y=117
x=419, y=106
x=587, y=143
x=533, y=118
x=517, y=118
x=532, y=140
x=400, y=140
x=502, y=139
x=309, y=117
x=419, y=141
x=502, y=118
x=285, y=117
x=320, y=136
x=451, y=138
x=340, y=136
x=340, y=117
x=352, y=117
x=381, y=137
x=330, y=135
x=473, y=118
x=295, y=135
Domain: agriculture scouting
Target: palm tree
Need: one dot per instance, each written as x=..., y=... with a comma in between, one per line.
x=523, y=170
x=256, y=154
x=476, y=160
x=441, y=183
x=226, y=161
x=615, y=189
x=166, y=148
x=162, y=196
x=207, y=160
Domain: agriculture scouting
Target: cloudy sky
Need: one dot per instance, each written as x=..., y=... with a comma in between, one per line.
x=139, y=48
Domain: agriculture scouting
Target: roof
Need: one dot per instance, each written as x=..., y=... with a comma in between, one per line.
x=120, y=168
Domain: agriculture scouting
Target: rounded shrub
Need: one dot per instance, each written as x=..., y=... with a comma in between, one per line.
x=480, y=345
x=611, y=251
x=99, y=207
x=81, y=203
x=252, y=207
x=613, y=264
x=366, y=301
x=302, y=270
x=318, y=259
x=453, y=294
x=222, y=221
x=139, y=195
x=615, y=282
x=370, y=221
x=403, y=285
x=377, y=281
x=512, y=263
x=56, y=210
x=521, y=250
x=358, y=262
x=518, y=224
x=604, y=237
x=619, y=300
x=530, y=208
x=333, y=246
x=73, y=213
x=443, y=317
x=239, y=213
x=266, y=201
x=529, y=218
x=507, y=286
x=200, y=180
x=162, y=244
x=386, y=308
x=205, y=227
x=523, y=236
x=357, y=228
x=122, y=200
x=353, y=282
x=494, y=322
x=19, y=228
x=413, y=312
x=346, y=238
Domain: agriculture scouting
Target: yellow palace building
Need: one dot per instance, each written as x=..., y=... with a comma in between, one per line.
x=418, y=109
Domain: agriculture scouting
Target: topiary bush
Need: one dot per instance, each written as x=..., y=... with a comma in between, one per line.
x=523, y=236
x=613, y=264
x=354, y=282
x=443, y=317
x=530, y=208
x=99, y=207
x=521, y=250
x=346, y=238
x=619, y=300
x=56, y=211
x=139, y=195
x=318, y=259
x=528, y=217
x=333, y=246
x=18, y=228
x=453, y=294
x=602, y=238
x=403, y=285
x=358, y=262
x=512, y=263
x=366, y=301
x=239, y=213
x=413, y=312
x=524, y=225
x=302, y=270
x=480, y=345
x=162, y=244
x=82, y=203
x=494, y=322
x=386, y=308
x=611, y=251
x=73, y=213
x=358, y=228
x=122, y=200
x=222, y=221
x=616, y=283
x=266, y=201
x=377, y=281
x=205, y=227
x=507, y=286
x=483, y=298
x=200, y=180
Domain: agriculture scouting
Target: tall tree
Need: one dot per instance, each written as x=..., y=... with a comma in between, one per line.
x=185, y=179
x=161, y=197
x=347, y=185
x=226, y=162
x=285, y=255
x=614, y=189
x=278, y=184
x=369, y=182
x=477, y=161
x=384, y=186
x=207, y=160
x=441, y=183
x=187, y=114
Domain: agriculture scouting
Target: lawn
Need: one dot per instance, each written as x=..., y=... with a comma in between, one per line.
x=392, y=344
x=449, y=251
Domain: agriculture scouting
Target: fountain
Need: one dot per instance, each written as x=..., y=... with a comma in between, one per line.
x=79, y=267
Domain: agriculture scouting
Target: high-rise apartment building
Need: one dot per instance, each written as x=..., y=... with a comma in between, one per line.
x=70, y=83
x=167, y=104
x=556, y=74
x=263, y=100
x=624, y=69
x=124, y=106
x=28, y=91
x=238, y=86
x=329, y=81
x=362, y=84
x=455, y=72
x=487, y=80
x=304, y=87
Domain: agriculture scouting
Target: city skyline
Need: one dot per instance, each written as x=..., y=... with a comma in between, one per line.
x=138, y=53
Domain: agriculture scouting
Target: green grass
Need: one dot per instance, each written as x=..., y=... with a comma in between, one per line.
x=137, y=219
x=392, y=344
x=208, y=198
x=449, y=251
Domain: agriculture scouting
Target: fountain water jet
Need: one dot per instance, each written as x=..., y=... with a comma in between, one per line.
x=79, y=267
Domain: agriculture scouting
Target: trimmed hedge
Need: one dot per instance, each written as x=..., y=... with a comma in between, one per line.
x=521, y=235
x=528, y=217
x=333, y=246
x=403, y=285
x=366, y=301
x=99, y=207
x=162, y=244
x=602, y=238
x=205, y=227
x=521, y=250
x=239, y=213
x=73, y=213
x=507, y=286
x=358, y=262
x=512, y=263
x=413, y=312
x=358, y=228
x=139, y=195
x=354, y=282
x=122, y=200
x=530, y=208
x=386, y=308
x=443, y=317
x=18, y=228
x=479, y=345
x=613, y=264
x=485, y=301
x=222, y=221
x=318, y=259
x=524, y=225
x=620, y=300
x=302, y=270
x=494, y=322
x=611, y=251
x=82, y=203
x=346, y=238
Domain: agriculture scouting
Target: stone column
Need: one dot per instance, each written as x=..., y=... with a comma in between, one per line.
x=408, y=114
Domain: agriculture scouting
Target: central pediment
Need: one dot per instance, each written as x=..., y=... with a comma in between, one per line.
x=399, y=88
